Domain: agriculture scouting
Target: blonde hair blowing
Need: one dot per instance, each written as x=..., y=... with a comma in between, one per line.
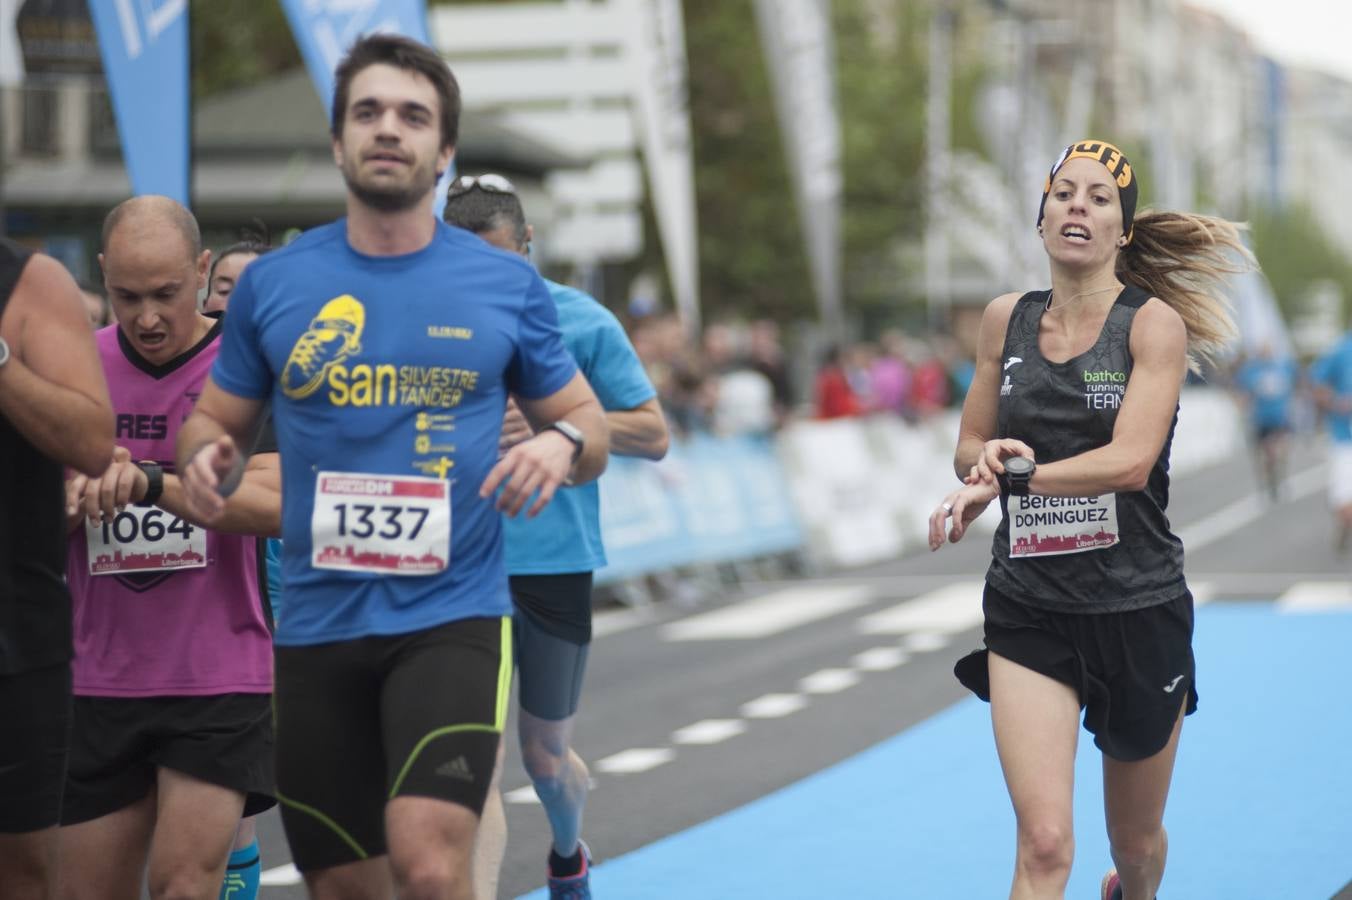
x=1184, y=259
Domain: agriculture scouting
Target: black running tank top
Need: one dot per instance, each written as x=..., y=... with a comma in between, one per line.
x=35, y=614
x=1064, y=557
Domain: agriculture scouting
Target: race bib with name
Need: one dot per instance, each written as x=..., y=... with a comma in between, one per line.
x=390, y=524
x=1050, y=526
x=144, y=539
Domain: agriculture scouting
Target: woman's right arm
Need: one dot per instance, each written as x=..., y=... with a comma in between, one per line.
x=983, y=397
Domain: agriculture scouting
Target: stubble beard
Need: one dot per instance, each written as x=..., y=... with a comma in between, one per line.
x=391, y=198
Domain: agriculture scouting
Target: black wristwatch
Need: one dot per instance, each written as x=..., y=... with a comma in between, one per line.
x=154, y=482
x=573, y=433
x=1018, y=472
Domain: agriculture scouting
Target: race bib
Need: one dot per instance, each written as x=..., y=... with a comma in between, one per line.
x=392, y=524
x=1049, y=526
x=144, y=539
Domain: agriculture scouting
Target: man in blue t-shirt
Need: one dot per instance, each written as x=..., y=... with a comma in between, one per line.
x=1267, y=383
x=551, y=558
x=387, y=344
x=1331, y=376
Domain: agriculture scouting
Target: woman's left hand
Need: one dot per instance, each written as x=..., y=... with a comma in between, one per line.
x=963, y=506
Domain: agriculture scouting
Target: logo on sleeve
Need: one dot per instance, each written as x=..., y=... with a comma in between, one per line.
x=333, y=336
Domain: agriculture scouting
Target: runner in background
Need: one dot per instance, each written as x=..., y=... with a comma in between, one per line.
x=387, y=343
x=54, y=411
x=229, y=264
x=551, y=558
x=245, y=866
x=1331, y=376
x=1267, y=383
x=172, y=734
x=1068, y=422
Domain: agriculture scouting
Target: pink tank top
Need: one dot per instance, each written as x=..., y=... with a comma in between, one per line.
x=175, y=608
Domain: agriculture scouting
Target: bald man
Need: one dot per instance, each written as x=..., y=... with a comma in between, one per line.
x=172, y=738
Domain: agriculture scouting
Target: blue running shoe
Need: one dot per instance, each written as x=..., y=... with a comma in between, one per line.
x=573, y=887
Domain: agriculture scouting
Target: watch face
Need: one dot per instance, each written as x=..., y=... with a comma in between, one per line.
x=1018, y=465
x=4, y=352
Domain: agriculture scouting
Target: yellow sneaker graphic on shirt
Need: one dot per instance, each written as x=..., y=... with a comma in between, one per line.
x=333, y=336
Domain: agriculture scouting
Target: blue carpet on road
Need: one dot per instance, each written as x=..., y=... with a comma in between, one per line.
x=1261, y=807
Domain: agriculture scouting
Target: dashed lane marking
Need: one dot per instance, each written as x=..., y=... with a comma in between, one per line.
x=773, y=706
x=639, y=759
x=829, y=681
x=709, y=731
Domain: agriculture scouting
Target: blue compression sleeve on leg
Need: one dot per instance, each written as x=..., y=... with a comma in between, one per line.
x=242, y=874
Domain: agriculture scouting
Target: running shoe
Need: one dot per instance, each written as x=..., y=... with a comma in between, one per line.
x=573, y=887
x=1111, y=889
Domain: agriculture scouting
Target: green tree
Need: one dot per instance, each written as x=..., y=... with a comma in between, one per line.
x=1295, y=252
x=880, y=72
x=237, y=43
x=752, y=261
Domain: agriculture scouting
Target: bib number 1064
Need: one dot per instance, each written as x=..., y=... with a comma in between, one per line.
x=127, y=527
x=144, y=539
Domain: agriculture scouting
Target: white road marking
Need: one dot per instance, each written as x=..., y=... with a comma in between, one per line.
x=770, y=614
x=281, y=876
x=709, y=731
x=924, y=642
x=829, y=681
x=1247, y=510
x=639, y=759
x=1203, y=592
x=1316, y=596
x=880, y=659
x=773, y=706
x=522, y=795
x=955, y=607
x=610, y=622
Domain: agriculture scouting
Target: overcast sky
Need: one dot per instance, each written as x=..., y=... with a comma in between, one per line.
x=1314, y=33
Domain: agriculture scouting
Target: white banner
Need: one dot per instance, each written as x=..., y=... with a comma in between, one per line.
x=796, y=37
x=657, y=42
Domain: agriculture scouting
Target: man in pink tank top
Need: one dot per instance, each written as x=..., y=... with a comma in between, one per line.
x=172, y=739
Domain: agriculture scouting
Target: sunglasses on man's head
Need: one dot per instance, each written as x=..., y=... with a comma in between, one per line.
x=493, y=184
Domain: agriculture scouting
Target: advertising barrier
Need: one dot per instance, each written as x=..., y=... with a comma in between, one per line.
x=846, y=492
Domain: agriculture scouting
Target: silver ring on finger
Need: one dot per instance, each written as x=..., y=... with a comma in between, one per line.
x=948, y=507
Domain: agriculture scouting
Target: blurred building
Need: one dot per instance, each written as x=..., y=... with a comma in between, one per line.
x=259, y=152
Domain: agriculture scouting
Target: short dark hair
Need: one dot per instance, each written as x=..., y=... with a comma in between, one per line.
x=481, y=211
x=402, y=53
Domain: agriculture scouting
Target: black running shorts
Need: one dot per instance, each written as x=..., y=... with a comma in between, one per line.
x=550, y=662
x=118, y=743
x=361, y=722
x=35, y=707
x=1132, y=670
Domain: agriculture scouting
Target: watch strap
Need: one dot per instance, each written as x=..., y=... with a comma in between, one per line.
x=154, y=473
x=573, y=433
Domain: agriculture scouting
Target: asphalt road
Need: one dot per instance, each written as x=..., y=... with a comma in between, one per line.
x=694, y=710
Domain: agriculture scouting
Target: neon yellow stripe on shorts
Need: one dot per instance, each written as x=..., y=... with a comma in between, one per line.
x=327, y=822
x=499, y=713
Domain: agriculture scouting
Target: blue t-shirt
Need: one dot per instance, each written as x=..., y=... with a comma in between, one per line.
x=1270, y=385
x=566, y=535
x=394, y=365
x=1334, y=371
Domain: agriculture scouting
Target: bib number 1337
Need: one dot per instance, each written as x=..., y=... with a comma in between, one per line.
x=389, y=524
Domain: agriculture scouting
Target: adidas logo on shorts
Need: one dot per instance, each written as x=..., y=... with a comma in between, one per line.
x=455, y=768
